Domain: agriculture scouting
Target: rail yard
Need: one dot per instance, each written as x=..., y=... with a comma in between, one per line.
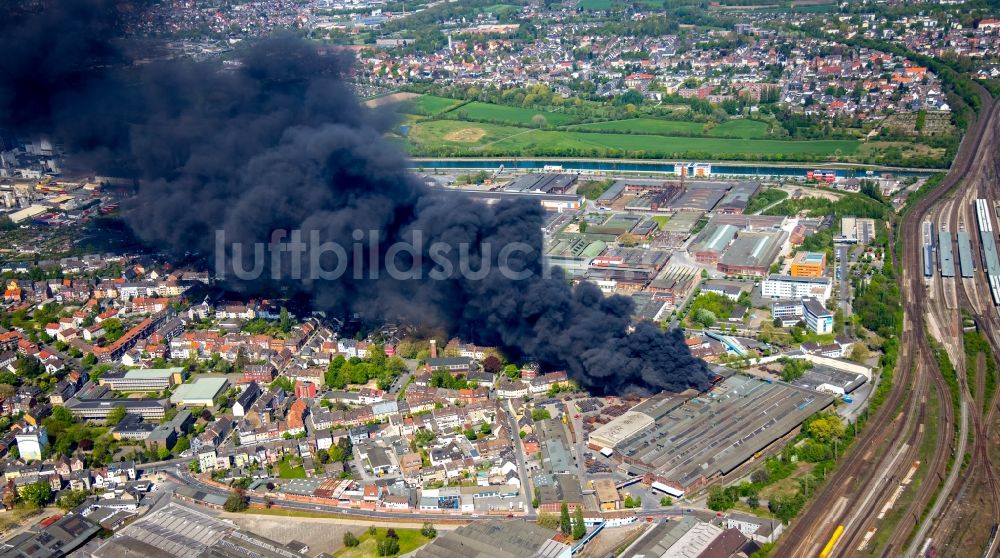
x=923, y=430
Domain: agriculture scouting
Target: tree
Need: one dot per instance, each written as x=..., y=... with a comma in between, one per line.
x=564, y=522
x=388, y=547
x=285, y=321
x=579, y=527
x=666, y=502
x=37, y=494
x=859, y=353
x=116, y=415
x=753, y=501
x=428, y=530
x=492, y=364
x=721, y=499
x=113, y=329
x=10, y=496
x=350, y=540
x=548, y=520
x=28, y=366
x=391, y=534
x=236, y=502
x=71, y=499
x=826, y=428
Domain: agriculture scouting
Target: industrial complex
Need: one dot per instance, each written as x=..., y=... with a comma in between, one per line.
x=688, y=440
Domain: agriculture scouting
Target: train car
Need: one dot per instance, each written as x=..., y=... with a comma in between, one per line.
x=991, y=262
x=946, y=257
x=965, y=261
x=832, y=542
x=928, y=260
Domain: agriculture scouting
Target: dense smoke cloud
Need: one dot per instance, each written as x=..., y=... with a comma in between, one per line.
x=280, y=143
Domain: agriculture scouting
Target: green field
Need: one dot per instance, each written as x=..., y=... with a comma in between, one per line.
x=593, y=5
x=409, y=540
x=643, y=126
x=286, y=471
x=742, y=129
x=432, y=105
x=501, y=8
x=745, y=129
x=513, y=115
x=450, y=137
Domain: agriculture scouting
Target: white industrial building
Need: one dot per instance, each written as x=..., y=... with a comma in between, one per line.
x=786, y=286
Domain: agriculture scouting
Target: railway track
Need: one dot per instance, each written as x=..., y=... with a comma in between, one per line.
x=980, y=469
x=916, y=367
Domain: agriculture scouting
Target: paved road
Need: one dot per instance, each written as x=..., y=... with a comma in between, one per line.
x=521, y=469
x=182, y=476
x=843, y=255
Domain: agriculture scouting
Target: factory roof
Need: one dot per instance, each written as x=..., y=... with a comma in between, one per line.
x=702, y=196
x=739, y=195
x=682, y=222
x=714, y=433
x=27, y=213
x=621, y=429
x=658, y=540
x=754, y=249
x=58, y=539
x=174, y=529
x=541, y=183
x=495, y=539
x=819, y=377
x=714, y=238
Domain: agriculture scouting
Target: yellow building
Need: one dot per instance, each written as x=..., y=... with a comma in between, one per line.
x=808, y=264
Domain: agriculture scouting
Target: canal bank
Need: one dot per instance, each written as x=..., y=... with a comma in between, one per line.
x=600, y=166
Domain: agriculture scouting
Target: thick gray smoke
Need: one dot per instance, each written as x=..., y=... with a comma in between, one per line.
x=279, y=143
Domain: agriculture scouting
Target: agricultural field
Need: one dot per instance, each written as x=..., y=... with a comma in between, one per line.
x=594, y=5
x=512, y=115
x=643, y=126
x=744, y=129
x=430, y=105
x=436, y=137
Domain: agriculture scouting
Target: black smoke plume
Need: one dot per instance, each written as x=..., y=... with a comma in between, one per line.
x=278, y=142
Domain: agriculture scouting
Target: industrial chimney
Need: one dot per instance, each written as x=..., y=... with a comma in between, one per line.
x=434, y=348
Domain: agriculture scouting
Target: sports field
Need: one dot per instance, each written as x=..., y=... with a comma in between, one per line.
x=470, y=138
